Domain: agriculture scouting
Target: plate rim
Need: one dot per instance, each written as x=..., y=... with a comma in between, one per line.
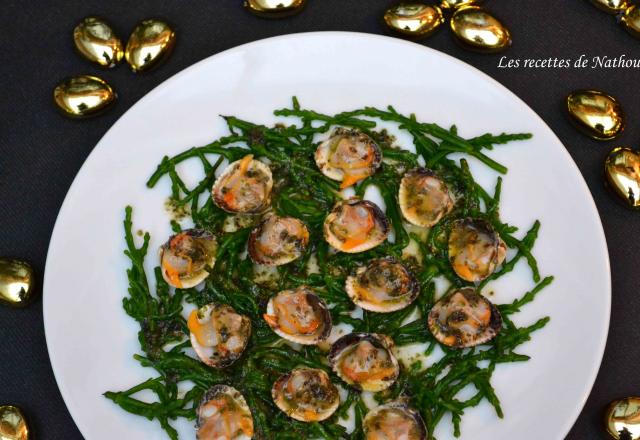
x=595, y=368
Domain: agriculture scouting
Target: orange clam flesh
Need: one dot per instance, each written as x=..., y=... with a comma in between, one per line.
x=218, y=334
x=475, y=249
x=423, y=197
x=223, y=413
x=348, y=156
x=299, y=315
x=365, y=361
x=464, y=318
x=306, y=394
x=244, y=187
x=186, y=257
x=355, y=225
x=392, y=421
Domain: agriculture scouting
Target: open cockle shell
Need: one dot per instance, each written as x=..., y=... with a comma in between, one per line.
x=299, y=316
x=187, y=256
x=223, y=413
x=348, y=156
x=383, y=285
x=218, y=334
x=365, y=361
x=394, y=420
x=355, y=225
x=278, y=240
x=464, y=318
x=475, y=249
x=423, y=197
x=306, y=394
x=244, y=187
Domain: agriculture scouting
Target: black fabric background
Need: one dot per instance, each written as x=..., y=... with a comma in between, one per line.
x=41, y=151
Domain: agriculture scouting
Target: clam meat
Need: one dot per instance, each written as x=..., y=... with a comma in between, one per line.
x=223, y=413
x=464, y=318
x=355, y=225
x=187, y=257
x=392, y=421
x=278, y=240
x=218, y=334
x=424, y=199
x=383, y=285
x=348, y=156
x=365, y=361
x=475, y=249
x=299, y=315
x=244, y=187
x=306, y=394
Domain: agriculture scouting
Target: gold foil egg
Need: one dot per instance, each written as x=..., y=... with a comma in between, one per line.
x=455, y=4
x=16, y=282
x=478, y=30
x=611, y=6
x=96, y=41
x=414, y=19
x=622, y=419
x=596, y=114
x=622, y=174
x=13, y=425
x=631, y=20
x=150, y=43
x=274, y=8
x=82, y=96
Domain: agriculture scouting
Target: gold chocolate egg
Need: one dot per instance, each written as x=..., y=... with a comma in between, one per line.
x=622, y=419
x=149, y=44
x=611, y=6
x=631, y=20
x=478, y=30
x=455, y=4
x=13, y=425
x=96, y=41
x=414, y=19
x=622, y=174
x=274, y=8
x=596, y=114
x=82, y=96
x=16, y=282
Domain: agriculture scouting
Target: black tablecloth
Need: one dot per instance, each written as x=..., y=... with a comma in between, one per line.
x=41, y=151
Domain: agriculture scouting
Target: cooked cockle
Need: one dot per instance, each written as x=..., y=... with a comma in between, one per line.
x=186, y=257
x=475, y=249
x=464, y=318
x=365, y=361
x=278, y=240
x=424, y=199
x=299, y=315
x=223, y=414
x=355, y=225
x=219, y=334
x=348, y=156
x=244, y=187
x=383, y=285
x=393, y=421
x=306, y=394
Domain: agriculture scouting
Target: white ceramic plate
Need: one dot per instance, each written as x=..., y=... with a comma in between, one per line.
x=90, y=339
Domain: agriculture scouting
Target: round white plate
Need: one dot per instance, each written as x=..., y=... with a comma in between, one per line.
x=90, y=338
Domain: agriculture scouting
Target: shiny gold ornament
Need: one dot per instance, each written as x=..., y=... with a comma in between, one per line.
x=478, y=30
x=13, y=425
x=631, y=20
x=414, y=19
x=82, y=96
x=96, y=41
x=622, y=419
x=455, y=4
x=149, y=44
x=622, y=173
x=611, y=6
x=596, y=114
x=274, y=8
x=16, y=282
